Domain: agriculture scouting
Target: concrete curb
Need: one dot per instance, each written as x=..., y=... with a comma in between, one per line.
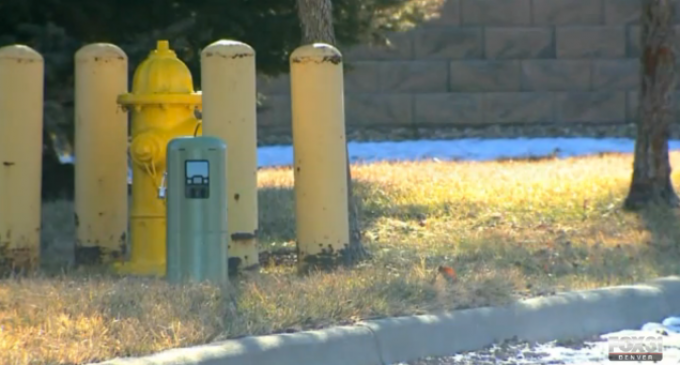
x=392, y=340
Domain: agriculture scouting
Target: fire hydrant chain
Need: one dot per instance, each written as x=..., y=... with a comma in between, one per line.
x=162, y=187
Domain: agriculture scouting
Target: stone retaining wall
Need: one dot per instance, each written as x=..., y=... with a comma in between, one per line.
x=492, y=62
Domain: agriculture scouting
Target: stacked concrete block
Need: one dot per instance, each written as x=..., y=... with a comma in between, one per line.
x=487, y=62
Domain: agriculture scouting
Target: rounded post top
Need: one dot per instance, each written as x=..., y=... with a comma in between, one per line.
x=100, y=50
x=317, y=52
x=20, y=52
x=227, y=48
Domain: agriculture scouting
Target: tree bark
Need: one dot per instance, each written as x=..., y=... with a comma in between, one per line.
x=651, y=182
x=316, y=21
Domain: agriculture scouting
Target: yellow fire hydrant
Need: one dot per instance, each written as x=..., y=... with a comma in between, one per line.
x=163, y=104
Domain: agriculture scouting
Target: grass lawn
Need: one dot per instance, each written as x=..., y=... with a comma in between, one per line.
x=510, y=229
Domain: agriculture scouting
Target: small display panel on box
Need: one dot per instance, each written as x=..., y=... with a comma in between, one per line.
x=197, y=179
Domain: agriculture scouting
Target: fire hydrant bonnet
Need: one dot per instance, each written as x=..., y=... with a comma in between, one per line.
x=151, y=84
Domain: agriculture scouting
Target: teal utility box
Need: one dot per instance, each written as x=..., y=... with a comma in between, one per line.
x=197, y=234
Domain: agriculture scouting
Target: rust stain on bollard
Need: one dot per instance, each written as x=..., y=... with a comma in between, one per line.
x=15, y=260
x=334, y=59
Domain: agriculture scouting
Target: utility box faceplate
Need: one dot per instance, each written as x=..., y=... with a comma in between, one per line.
x=197, y=234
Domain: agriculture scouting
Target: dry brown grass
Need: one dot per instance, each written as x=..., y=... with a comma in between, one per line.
x=510, y=229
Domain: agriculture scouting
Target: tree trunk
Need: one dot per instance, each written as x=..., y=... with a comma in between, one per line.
x=651, y=183
x=316, y=21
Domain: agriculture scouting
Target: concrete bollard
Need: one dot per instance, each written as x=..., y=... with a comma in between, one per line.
x=320, y=160
x=101, y=199
x=21, y=132
x=229, y=113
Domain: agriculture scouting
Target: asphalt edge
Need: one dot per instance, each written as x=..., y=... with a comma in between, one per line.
x=391, y=340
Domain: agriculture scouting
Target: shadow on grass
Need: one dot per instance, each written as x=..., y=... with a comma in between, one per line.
x=277, y=211
x=277, y=224
x=663, y=223
x=276, y=206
